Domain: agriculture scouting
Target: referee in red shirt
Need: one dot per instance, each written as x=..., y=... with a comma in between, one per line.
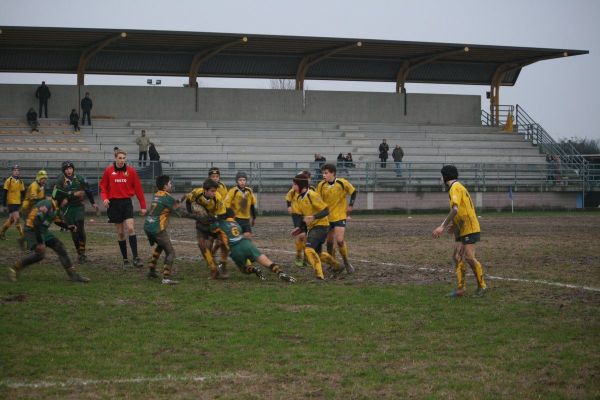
x=118, y=185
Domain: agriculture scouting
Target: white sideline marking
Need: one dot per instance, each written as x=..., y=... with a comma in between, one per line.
x=492, y=277
x=94, y=382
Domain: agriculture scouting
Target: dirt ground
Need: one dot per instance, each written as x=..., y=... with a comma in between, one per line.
x=521, y=250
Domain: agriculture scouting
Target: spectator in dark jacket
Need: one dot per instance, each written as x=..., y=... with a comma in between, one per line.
x=43, y=94
x=86, y=107
x=383, y=152
x=74, y=120
x=32, y=120
x=397, y=155
x=154, y=160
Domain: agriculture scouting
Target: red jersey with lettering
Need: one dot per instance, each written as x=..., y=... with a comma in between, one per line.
x=121, y=183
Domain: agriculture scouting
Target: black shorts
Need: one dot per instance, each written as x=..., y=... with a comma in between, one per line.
x=244, y=224
x=334, y=224
x=13, y=207
x=119, y=210
x=471, y=238
x=316, y=237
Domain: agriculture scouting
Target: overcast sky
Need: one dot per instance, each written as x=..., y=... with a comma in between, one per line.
x=562, y=94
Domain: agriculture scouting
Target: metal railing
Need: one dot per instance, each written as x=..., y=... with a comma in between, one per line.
x=489, y=119
x=366, y=176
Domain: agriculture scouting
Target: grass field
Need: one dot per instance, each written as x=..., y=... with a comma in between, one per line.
x=387, y=331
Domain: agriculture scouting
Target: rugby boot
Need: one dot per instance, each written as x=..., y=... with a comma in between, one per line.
x=168, y=281
x=222, y=268
x=214, y=274
x=299, y=263
x=126, y=263
x=349, y=268
x=152, y=273
x=82, y=258
x=480, y=292
x=75, y=277
x=287, y=278
x=137, y=262
x=456, y=293
x=259, y=274
x=12, y=274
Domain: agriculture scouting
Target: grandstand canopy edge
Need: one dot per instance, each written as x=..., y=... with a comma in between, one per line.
x=197, y=54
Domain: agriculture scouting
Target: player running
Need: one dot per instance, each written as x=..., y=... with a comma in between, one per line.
x=13, y=189
x=35, y=192
x=334, y=191
x=300, y=238
x=242, y=201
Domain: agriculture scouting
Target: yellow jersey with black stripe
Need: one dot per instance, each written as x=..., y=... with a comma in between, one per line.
x=222, y=189
x=310, y=203
x=334, y=195
x=14, y=187
x=240, y=201
x=214, y=206
x=291, y=195
x=35, y=192
x=465, y=221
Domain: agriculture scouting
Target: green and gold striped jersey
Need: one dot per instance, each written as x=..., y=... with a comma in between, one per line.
x=157, y=219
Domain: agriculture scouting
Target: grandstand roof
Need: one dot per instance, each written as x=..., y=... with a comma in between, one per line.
x=170, y=53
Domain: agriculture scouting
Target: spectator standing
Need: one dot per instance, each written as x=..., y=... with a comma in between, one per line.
x=143, y=143
x=86, y=107
x=154, y=160
x=119, y=183
x=32, y=120
x=397, y=155
x=384, y=148
x=349, y=161
x=74, y=120
x=43, y=94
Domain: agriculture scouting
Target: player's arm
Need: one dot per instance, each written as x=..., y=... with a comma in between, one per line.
x=352, y=200
x=437, y=232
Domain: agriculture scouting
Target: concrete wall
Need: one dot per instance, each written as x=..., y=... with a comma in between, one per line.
x=205, y=104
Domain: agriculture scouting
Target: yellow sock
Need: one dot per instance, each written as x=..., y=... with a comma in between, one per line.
x=460, y=275
x=478, y=271
x=299, y=248
x=20, y=229
x=327, y=258
x=315, y=261
x=343, y=251
x=207, y=254
x=6, y=225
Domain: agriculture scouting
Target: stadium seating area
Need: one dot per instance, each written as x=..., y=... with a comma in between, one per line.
x=281, y=148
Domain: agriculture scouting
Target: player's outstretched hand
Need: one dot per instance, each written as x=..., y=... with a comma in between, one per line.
x=437, y=232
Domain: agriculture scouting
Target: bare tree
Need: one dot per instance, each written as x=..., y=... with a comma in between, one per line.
x=282, y=84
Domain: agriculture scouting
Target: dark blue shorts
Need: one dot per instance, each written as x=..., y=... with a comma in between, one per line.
x=471, y=238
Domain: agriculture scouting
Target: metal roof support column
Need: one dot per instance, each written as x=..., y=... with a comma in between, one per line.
x=90, y=52
x=201, y=57
x=311, y=59
x=410, y=64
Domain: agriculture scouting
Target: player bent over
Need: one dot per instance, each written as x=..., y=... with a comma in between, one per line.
x=35, y=192
x=155, y=227
x=300, y=238
x=208, y=206
x=242, y=249
x=313, y=212
x=38, y=237
x=462, y=221
x=333, y=191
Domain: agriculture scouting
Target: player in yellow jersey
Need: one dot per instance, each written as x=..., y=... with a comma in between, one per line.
x=206, y=201
x=333, y=191
x=462, y=221
x=300, y=238
x=13, y=189
x=215, y=174
x=312, y=212
x=242, y=201
x=35, y=192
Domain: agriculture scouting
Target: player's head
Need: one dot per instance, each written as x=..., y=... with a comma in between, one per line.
x=241, y=178
x=68, y=168
x=163, y=182
x=329, y=168
x=120, y=158
x=449, y=173
x=210, y=188
x=41, y=177
x=300, y=182
x=15, y=170
x=215, y=174
x=307, y=173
